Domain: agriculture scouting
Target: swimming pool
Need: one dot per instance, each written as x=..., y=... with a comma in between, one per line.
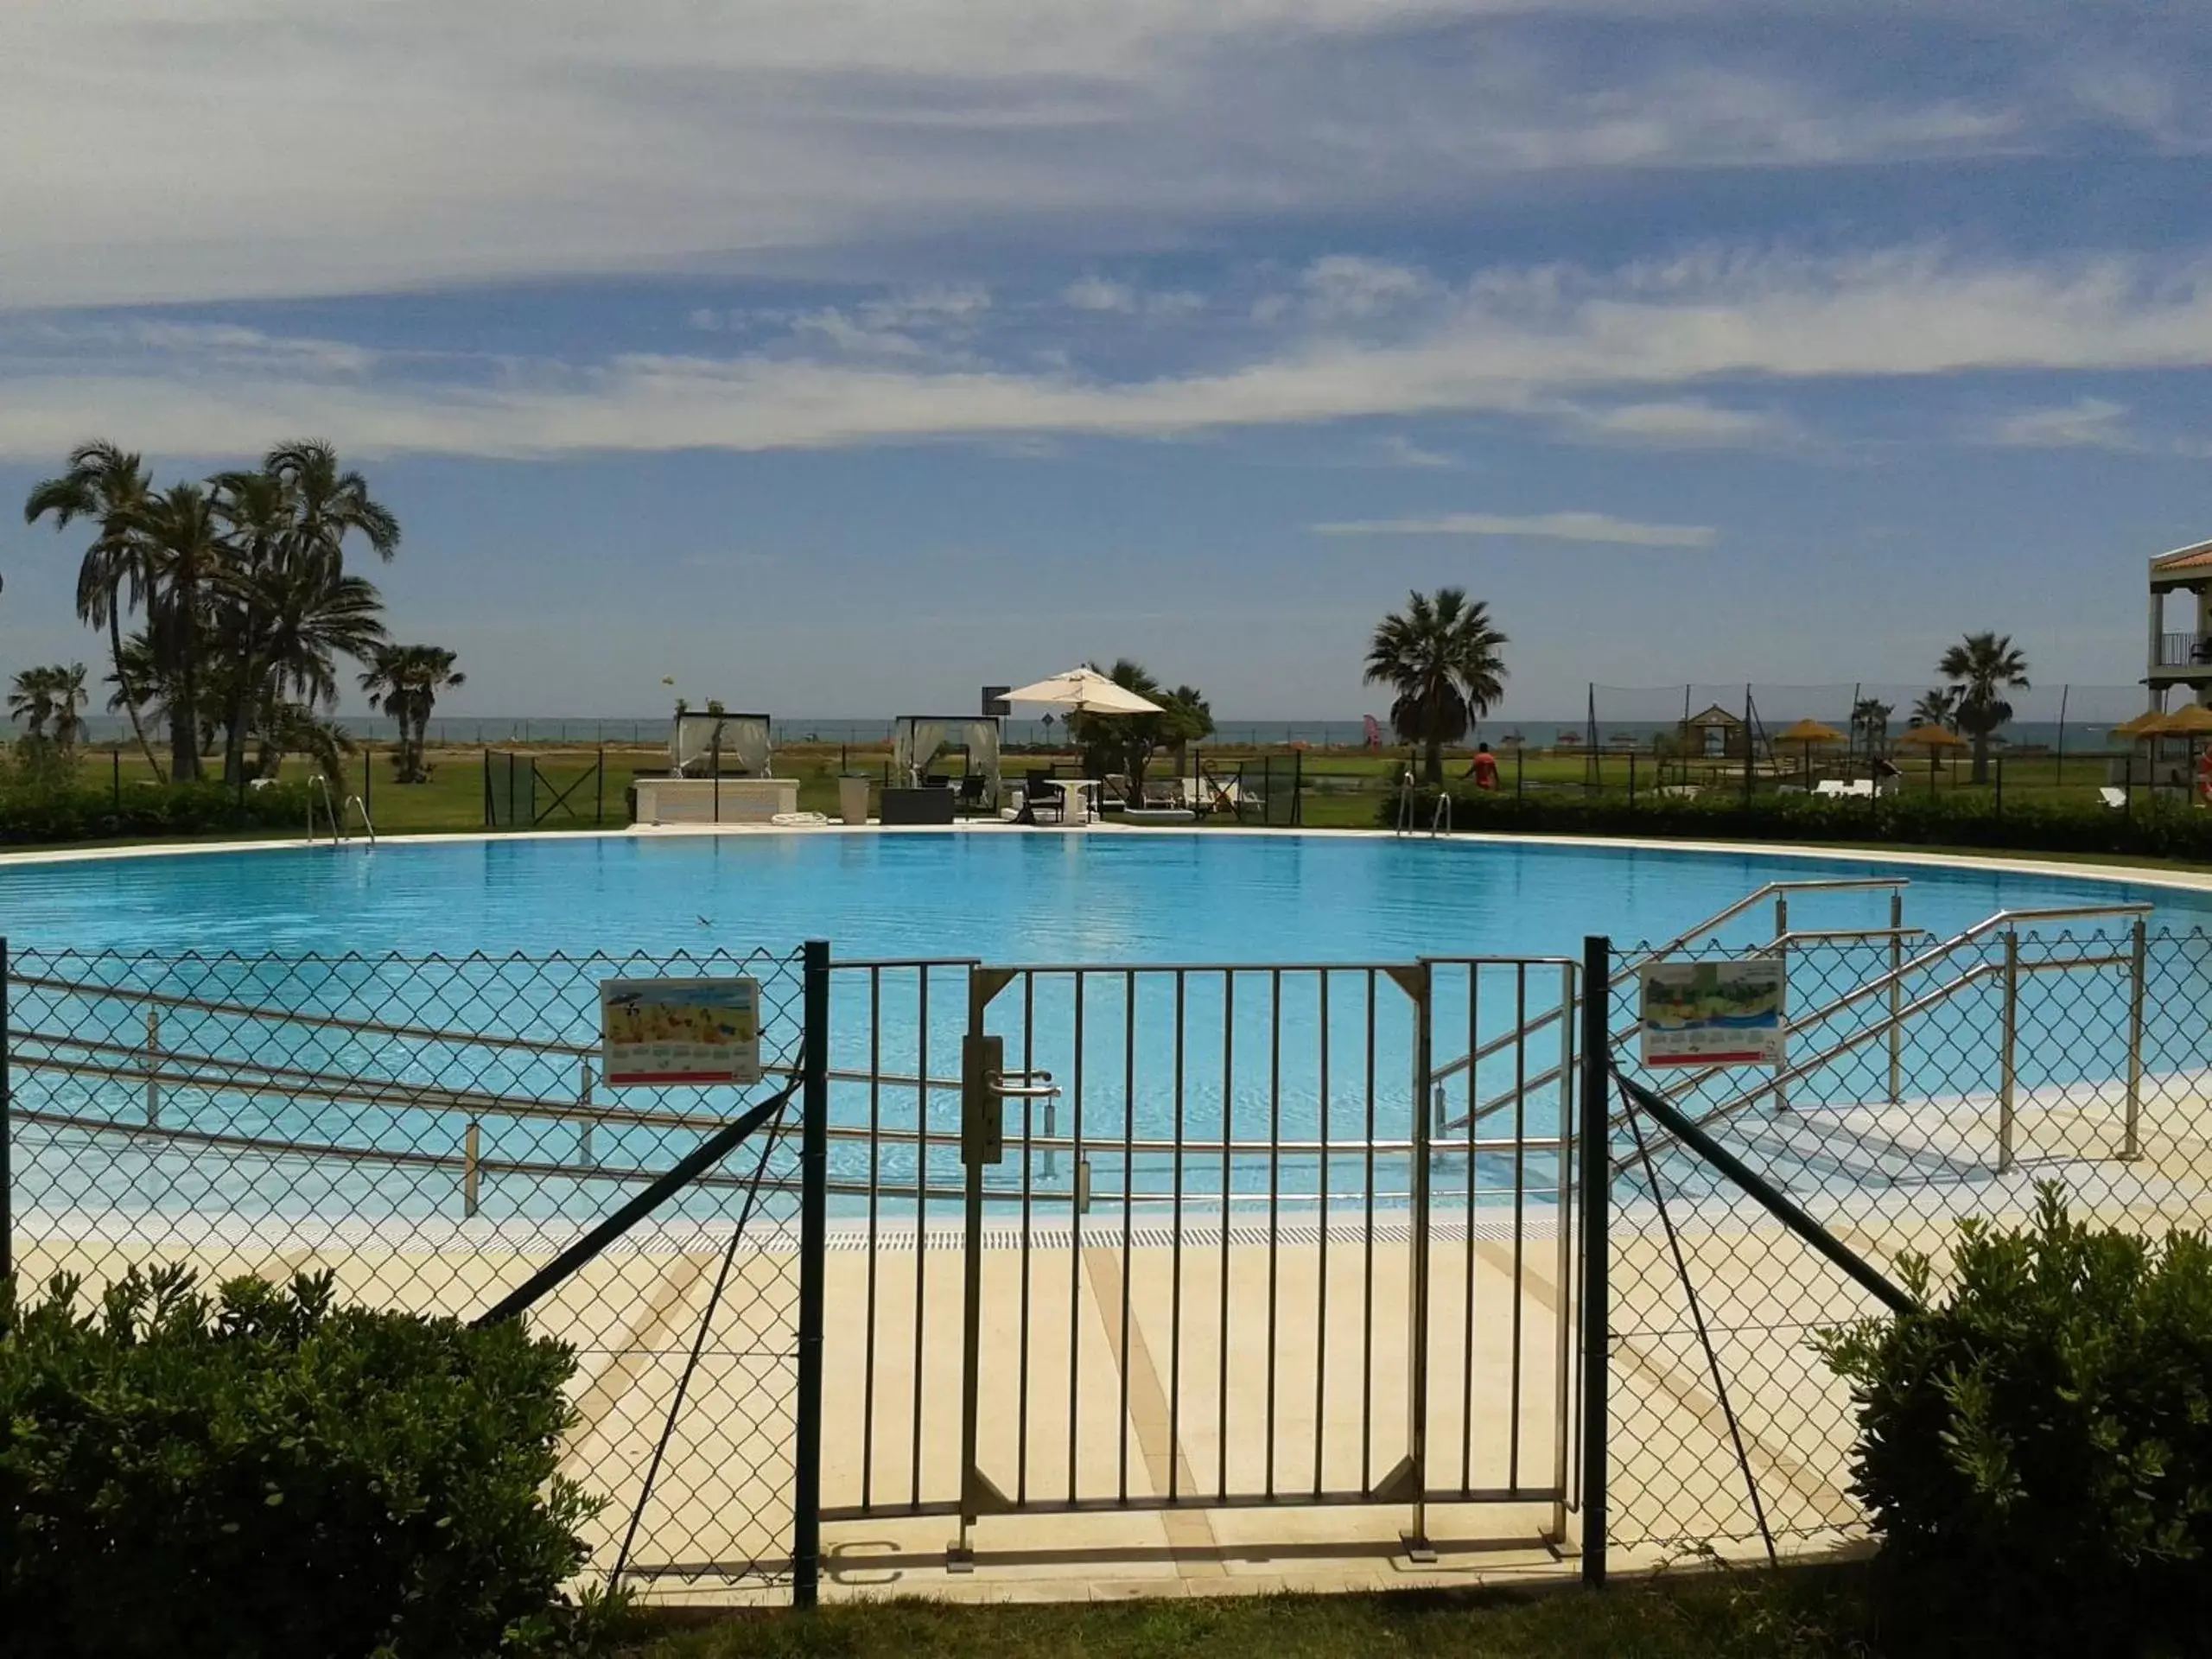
x=1011, y=898
x=510, y=936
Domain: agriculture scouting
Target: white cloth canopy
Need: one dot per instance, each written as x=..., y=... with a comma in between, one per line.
x=1086, y=691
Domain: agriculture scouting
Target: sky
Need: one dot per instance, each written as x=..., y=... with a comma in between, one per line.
x=838, y=359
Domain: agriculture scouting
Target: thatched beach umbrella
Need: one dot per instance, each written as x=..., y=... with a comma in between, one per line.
x=2188, y=722
x=1933, y=738
x=1809, y=732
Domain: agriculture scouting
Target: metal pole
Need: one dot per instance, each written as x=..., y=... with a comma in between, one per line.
x=2131, y=1144
x=116, y=770
x=813, y=1250
x=1897, y=995
x=1597, y=1168
x=153, y=1065
x=2059, y=780
x=2005, y=1063
x=471, y=1176
x=1416, y=1537
x=7, y=1127
x=1747, y=745
x=598, y=791
x=1782, y=931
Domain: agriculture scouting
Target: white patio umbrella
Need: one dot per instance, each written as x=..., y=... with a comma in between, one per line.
x=1085, y=691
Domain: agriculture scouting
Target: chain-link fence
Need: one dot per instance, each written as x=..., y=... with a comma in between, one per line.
x=1928, y=1083
x=432, y=1132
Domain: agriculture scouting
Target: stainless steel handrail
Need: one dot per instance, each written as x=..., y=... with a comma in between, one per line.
x=1627, y=970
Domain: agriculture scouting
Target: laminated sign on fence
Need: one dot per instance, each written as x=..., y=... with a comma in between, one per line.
x=1713, y=1012
x=677, y=1031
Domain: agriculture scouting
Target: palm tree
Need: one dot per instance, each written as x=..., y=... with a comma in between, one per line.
x=1983, y=667
x=328, y=504
x=31, y=700
x=53, y=694
x=1870, y=722
x=1120, y=742
x=111, y=486
x=1440, y=656
x=293, y=609
x=403, y=682
x=1189, y=719
x=1937, y=707
x=192, y=564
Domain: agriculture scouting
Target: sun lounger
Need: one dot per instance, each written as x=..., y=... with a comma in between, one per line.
x=2114, y=798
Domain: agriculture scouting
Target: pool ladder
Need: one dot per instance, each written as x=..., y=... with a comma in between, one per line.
x=1439, y=824
x=335, y=814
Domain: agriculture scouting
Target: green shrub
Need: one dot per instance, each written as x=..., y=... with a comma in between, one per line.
x=2035, y=1451
x=262, y=1473
x=37, y=813
x=1906, y=819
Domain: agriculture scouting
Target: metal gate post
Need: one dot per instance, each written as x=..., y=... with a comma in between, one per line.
x=1562, y=1354
x=813, y=1248
x=1420, y=982
x=2138, y=950
x=1782, y=950
x=1897, y=995
x=2007, y=1066
x=1597, y=1169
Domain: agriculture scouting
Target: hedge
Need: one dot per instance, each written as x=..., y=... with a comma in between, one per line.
x=57, y=816
x=262, y=1473
x=1906, y=819
x=2035, y=1449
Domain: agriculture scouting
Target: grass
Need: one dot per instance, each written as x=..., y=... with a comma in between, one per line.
x=1800, y=1613
x=1343, y=789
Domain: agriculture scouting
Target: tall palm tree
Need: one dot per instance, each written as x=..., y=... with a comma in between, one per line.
x=110, y=487
x=403, y=682
x=69, y=698
x=1440, y=656
x=328, y=503
x=191, y=561
x=255, y=511
x=1120, y=742
x=1983, y=667
x=1189, y=719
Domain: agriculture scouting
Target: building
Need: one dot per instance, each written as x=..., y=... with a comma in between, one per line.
x=2182, y=659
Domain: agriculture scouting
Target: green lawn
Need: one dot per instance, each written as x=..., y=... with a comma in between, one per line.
x=1801, y=1613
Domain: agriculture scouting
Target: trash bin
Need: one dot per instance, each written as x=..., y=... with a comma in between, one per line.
x=852, y=797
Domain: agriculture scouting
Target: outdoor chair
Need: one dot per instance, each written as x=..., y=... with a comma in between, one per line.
x=971, y=791
x=2113, y=797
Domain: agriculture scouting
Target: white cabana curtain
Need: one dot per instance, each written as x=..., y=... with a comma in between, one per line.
x=742, y=739
x=916, y=740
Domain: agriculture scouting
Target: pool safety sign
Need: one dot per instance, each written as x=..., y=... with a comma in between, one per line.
x=1713, y=1012
x=679, y=1031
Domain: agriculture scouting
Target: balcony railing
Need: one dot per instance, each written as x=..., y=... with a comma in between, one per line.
x=2185, y=650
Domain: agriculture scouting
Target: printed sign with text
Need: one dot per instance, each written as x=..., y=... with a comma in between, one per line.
x=1713, y=1012
x=678, y=1031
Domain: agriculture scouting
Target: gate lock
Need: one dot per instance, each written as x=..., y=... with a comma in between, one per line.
x=985, y=1083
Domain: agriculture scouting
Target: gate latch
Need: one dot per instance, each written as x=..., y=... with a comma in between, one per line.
x=985, y=1082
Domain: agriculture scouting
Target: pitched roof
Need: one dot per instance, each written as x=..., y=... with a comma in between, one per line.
x=2196, y=557
x=1714, y=716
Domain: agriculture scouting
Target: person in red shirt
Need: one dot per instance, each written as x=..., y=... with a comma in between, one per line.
x=2204, y=778
x=1484, y=768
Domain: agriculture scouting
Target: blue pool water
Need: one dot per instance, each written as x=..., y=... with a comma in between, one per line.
x=1003, y=898
x=1143, y=1059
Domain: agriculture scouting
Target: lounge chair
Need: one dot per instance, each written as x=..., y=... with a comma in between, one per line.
x=1833, y=786
x=2114, y=797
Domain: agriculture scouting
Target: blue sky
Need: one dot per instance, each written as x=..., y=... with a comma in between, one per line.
x=837, y=358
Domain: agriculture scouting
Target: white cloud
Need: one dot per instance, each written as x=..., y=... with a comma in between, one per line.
x=156, y=153
x=1597, y=527
x=2087, y=422
x=1397, y=450
x=1344, y=286
x=1513, y=341
x=1097, y=293
x=1684, y=423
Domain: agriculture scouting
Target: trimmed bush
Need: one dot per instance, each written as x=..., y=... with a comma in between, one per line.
x=260, y=1472
x=2035, y=1451
x=1906, y=819
x=41, y=815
